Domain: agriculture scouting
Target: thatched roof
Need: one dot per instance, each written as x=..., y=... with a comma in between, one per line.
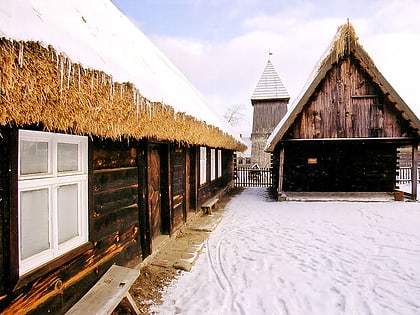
x=344, y=43
x=65, y=67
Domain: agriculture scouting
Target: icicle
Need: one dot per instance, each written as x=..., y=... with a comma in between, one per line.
x=57, y=56
x=68, y=73
x=91, y=84
x=79, y=79
x=61, y=74
x=137, y=106
x=111, y=89
x=20, y=58
x=121, y=91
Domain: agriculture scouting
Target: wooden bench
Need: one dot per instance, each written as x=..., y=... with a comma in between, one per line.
x=108, y=292
x=209, y=204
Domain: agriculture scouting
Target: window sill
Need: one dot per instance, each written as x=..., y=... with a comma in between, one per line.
x=51, y=265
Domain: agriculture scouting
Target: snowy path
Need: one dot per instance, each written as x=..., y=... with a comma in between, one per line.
x=305, y=258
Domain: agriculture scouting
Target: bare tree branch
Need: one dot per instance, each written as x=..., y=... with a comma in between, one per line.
x=234, y=115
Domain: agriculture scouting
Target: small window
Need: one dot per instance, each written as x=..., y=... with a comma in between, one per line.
x=219, y=163
x=52, y=202
x=212, y=164
x=203, y=165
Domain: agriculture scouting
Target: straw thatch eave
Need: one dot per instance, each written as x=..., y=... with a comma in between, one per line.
x=344, y=45
x=39, y=86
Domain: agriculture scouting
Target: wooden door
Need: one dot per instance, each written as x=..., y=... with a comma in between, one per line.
x=187, y=182
x=154, y=192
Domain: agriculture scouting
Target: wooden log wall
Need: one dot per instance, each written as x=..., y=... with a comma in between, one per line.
x=113, y=237
x=115, y=190
x=348, y=104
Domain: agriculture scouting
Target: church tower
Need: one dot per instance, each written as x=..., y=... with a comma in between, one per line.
x=270, y=99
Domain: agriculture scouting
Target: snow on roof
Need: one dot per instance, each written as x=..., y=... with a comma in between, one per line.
x=97, y=35
x=270, y=85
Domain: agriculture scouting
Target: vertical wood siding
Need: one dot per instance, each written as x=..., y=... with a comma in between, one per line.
x=348, y=104
x=267, y=114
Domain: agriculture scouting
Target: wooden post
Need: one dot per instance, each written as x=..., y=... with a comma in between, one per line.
x=414, y=166
x=280, y=194
x=144, y=222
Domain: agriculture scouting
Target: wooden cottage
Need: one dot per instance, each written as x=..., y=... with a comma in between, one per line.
x=344, y=131
x=93, y=170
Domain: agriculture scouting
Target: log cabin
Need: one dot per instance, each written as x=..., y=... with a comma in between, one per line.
x=93, y=169
x=343, y=132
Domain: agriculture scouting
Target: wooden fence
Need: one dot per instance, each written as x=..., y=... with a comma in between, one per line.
x=404, y=175
x=251, y=177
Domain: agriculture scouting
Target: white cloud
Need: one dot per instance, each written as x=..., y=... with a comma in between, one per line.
x=226, y=72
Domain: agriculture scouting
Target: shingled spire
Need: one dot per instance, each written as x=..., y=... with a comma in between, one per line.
x=270, y=99
x=270, y=86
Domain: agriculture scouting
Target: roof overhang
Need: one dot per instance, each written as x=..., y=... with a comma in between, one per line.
x=389, y=140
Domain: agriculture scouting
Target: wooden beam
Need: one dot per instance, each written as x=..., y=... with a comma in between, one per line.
x=281, y=175
x=365, y=96
x=144, y=222
x=414, y=166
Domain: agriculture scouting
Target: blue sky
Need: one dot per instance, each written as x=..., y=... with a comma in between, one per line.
x=222, y=45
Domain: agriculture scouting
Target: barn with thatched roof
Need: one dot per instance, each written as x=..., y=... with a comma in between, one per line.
x=342, y=134
x=105, y=147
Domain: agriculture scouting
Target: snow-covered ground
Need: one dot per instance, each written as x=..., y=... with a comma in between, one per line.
x=270, y=257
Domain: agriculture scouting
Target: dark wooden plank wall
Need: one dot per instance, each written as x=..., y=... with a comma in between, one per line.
x=348, y=104
x=115, y=191
x=113, y=236
x=194, y=173
x=340, y=166
x=178, y=166
x=4, y=208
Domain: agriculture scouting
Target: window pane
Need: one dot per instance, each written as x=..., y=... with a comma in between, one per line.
x=33, y=157
x=219, y=163
x=67, y=212
x=34, y=232
x=67, y=157
x=213, y=164
x=203, y=165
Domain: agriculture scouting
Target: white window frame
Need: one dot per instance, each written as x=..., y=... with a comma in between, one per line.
x=203, y=165
x=212, y=164
x=52, y=181
x=219, y=163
